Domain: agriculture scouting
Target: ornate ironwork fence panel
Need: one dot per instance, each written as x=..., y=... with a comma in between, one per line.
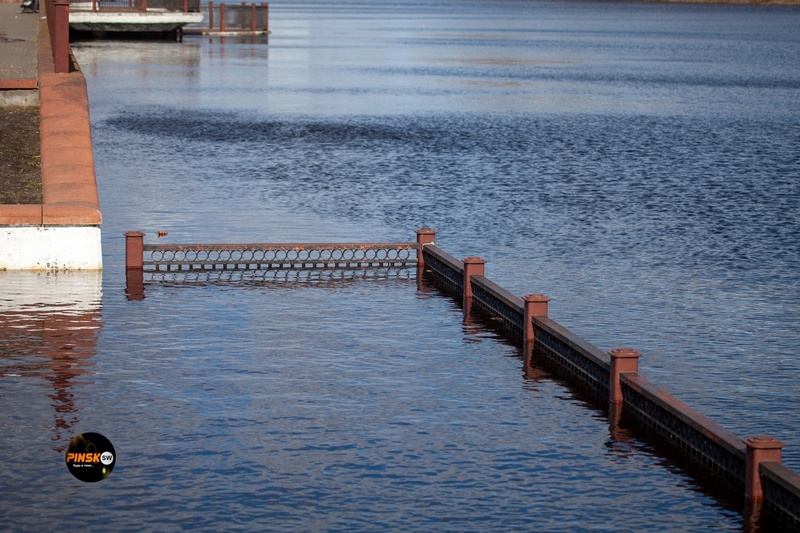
x=265, y=257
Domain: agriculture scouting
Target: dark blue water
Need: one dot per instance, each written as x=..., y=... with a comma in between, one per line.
x=638, y=163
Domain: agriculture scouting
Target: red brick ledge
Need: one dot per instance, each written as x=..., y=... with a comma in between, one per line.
x=18, y=83
x=69, y=186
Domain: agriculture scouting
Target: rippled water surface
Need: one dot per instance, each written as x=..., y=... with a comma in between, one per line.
x=638, y=163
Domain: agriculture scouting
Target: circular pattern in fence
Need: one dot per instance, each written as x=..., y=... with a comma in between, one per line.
x=255, y=258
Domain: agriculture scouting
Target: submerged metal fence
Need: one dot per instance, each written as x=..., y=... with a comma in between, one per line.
x=262, y=262
x=275, y=256
x=752, y=464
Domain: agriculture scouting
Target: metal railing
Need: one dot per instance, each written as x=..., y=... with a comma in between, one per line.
x=183, y=6
x=263, y=262
x=315, y=256
x=232, y=18
x=272, y=256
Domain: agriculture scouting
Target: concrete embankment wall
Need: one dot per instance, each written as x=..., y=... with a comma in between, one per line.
x=63, y=232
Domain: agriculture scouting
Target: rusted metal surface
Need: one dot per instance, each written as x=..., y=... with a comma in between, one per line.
x=277, y=256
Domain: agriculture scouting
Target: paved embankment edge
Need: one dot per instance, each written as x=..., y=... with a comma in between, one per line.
x=71, y=207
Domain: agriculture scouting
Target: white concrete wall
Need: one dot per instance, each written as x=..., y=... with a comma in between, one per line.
x=50, y=248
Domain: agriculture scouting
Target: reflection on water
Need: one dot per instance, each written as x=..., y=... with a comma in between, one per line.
x=49, y=326
x=350, y=404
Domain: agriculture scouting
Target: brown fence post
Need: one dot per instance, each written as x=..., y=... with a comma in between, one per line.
x=759, y=448
x=535, y=305
x=266, y=15
x=222, y=18
x=134, y=250
x=134, y=265
x=253, y=18
x=623, y=360
x=210, y=15
x=60, y=36
x=473, y=266
x=424, y=236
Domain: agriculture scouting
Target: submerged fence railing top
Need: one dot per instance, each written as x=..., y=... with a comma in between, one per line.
x=752, y=464
x=189, y=257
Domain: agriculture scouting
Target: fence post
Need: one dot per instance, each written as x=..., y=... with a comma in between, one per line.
x=210, y=15
x=134, y=265
x=60, y=36
x=253, y=18
x=266, y=15
x=759, y=448
x=473, y=266
x=222, y=18
x=424, y=236
x=623, y=360
x=134, y=250
x=535, y=305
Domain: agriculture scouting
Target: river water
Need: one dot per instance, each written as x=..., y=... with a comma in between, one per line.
x=638, y=163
